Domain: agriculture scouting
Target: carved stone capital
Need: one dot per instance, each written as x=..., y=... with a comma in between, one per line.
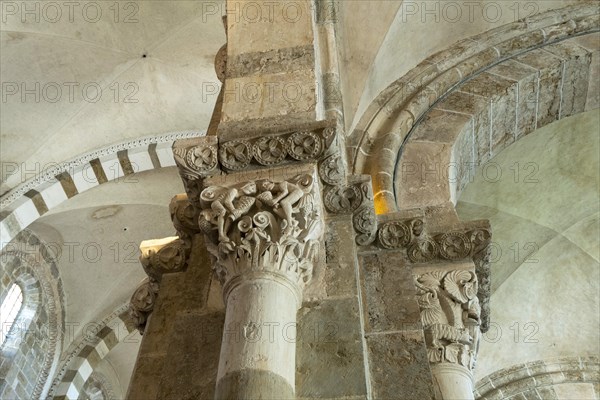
x=159, y=256
x=450, y=314
x=468, y=241
x=268, y=227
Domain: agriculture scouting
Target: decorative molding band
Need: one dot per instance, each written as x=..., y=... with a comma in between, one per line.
x=382, y=132
x=32, y=199
x=471, y=242
x=538, y=378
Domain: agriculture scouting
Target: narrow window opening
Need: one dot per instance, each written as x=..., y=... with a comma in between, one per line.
x=11, y=305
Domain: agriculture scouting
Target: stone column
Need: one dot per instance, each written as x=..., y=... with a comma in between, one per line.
x=264, y=236
x=450, y=314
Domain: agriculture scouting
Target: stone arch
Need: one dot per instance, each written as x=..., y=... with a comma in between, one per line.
x=385, y=136
x=39, y=327
x=27, y=202
x=86, y=352
x=97, y=387
x=538, y=379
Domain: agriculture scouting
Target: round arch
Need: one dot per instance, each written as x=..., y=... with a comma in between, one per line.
x=540, y=379
x=27, y=202
x=406, y=123
x=87, y=351
x=39, y=325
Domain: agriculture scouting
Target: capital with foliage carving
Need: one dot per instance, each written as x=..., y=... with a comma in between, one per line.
x=270, y=226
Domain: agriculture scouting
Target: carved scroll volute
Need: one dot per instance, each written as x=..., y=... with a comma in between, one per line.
x=450, y=314
x=266, y=225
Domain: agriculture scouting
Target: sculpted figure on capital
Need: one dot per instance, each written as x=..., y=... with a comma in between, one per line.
x=262, y=224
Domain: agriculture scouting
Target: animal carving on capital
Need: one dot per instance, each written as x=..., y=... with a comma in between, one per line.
x=450, y=314
x=262, y=224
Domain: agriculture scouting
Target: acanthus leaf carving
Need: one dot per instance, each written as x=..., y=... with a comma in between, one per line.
x=263, y=225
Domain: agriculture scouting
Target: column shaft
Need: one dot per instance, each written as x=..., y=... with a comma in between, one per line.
x=452, y=382
x=258, y=353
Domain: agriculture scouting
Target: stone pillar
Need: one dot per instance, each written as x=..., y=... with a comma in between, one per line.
x=264, y=236
x=450, y=314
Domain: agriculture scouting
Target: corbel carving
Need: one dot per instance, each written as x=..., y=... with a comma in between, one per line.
x=353, y=197
x=142, y=303
x=158, y=257
x=185, y=217
x=450, y=313
x=263, y=226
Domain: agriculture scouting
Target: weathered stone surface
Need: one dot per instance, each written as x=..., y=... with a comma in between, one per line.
x=462, y=163
x=193, y=357
x=575, y=76
x=147, y=374
x=549, y=83
x=526, y=78
x=593, y=92
x=253, y=384
x=503, y=120
x=440, y=126
x=179, y=292
x=421, y=174
x=340, y=274
x=329, y=353
x=273, y=61
x=399, y=366
x=389, y=293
